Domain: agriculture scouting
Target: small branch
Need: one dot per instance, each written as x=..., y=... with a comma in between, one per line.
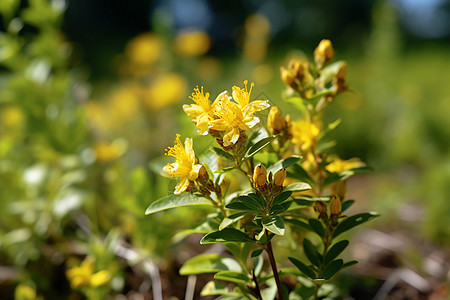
x=257, y=289
x=273, y=264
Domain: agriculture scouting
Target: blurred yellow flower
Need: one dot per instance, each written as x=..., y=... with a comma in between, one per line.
x=84, y=276
x=123, y=104
x=109, y=151
x=185, y=165
x=166, y=90
x=144, y=49
x=257, y=29
x=232, y=117
x=24, y=292
x=202, y=111
x=11, y=117
x=338, y=165
x=276, y=123
x=192, y=43
x=305, y=134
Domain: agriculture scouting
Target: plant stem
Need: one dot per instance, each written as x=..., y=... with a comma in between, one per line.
x=273, y=264
x=257, y=289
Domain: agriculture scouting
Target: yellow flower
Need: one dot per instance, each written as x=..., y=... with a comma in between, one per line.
x=84, y=276
x=339, y=165
x=110, y=151
x=24, y=292
x=202, y=111
x=279, y=177
x=185, y=166
x=232, y=117
x=305, y=134
x=260, y=176
x=193, y=43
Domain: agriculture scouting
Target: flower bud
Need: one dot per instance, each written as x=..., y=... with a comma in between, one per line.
x=335, y=206
x=323, y=53
x=279, y=177
x=202, y=174
x=320, y=207
x=339, y=79
x=260, y=176
x=288, y=78
x=276, y=122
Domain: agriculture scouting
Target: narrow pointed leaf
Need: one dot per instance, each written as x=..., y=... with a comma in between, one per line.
x=232, y=219
x=281, y=197
x=347, y=204
x=173, y=201
x=335, y=250
x=297, y=172
x=258, y=146
x=284, y=163
x=311, y=252
x=214, y=288
x=353, y=221
x=256, y=253
x=303, y=268
x=349, y=264
x=297, y=187
x=332, y=269
x=317, y=227
x=225, y=235
x=223, y=153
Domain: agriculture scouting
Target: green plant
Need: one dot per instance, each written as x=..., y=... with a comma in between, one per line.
x=294, y=183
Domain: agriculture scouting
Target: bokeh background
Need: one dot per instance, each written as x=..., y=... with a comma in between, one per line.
x=91, y=94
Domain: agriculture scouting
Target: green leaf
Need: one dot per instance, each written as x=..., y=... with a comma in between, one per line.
x=280, y=208
x=299, y=223
x=334, y=177
x=332, y=269
x=257, y=253
x=297, y=187
x=311, y=252
x=232, y=276
x=214, y=288
x=224, y=170
x=253, y=200
x=274, y=224
x=284, y=163
x=225, y=235
x=173, y=201
x=297, y=172
x=222, y=153
x=335, y=250
x=258, y=147
x=347, y=204
x=353, y=221
x=281, y=197
x=303, y=268
x=349, y=264
x=237, y=205
x=209, y=263
x=319, y=95
x=232, y=219
x=317, y=227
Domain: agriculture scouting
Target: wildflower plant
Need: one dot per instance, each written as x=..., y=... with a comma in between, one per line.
x=293, y=183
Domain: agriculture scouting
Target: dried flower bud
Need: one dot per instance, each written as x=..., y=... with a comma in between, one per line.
x=320, y=207
x=335, y=206
x=260, y=176
x=323, y=53
x=276, y=122
x=279, y=177
x=202, y=174
x=339, y=79
x=288, y=77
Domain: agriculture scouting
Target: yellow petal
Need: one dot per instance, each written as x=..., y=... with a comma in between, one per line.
x=193, y=110
x=218, y=125
x=100, y=278
x=231, y=137
x=182, y=186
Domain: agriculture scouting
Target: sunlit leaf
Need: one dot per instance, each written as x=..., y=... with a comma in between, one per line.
x=258, y=147
x=173, y=201
x=274, y=224
x=209, y=263
x=297, y=187
x=284, y=163
x=232, y=276
x=225, y=235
